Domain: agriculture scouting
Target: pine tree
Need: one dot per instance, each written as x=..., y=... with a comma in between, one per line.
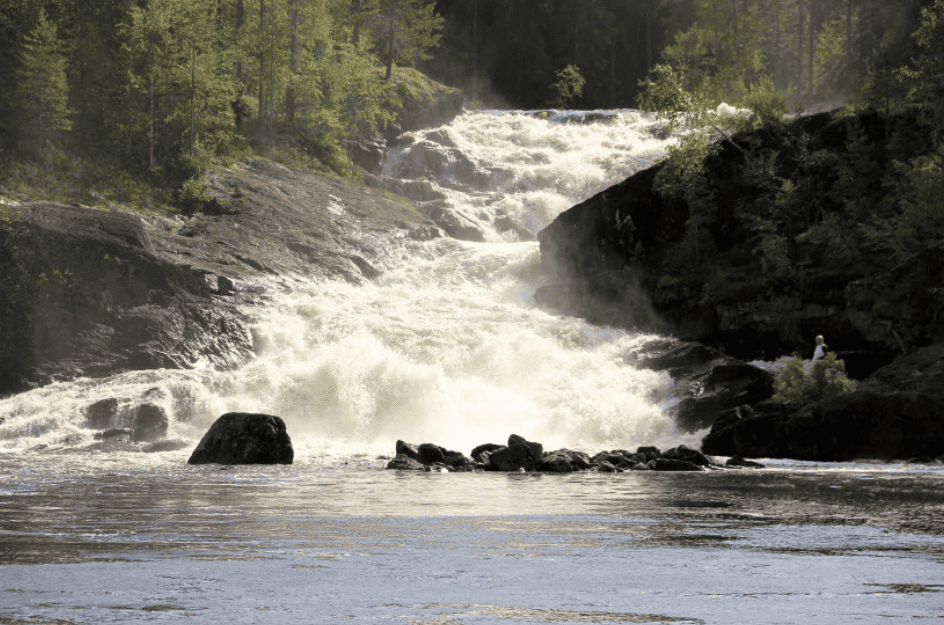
x=403, y=31
x=42, y=89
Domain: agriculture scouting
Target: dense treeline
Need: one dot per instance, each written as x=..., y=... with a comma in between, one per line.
x=861, y=194
x=813, y=49
x=508, y=53
x=164, y=86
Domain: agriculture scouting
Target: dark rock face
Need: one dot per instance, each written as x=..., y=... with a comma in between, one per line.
x=150, y=423
x=86, y=293
x=894, y=414
x=245, y=438
x=707, y=382
x=610, y=257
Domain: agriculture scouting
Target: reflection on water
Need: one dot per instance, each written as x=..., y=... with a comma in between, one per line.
x=74, y=517
x=353, y=543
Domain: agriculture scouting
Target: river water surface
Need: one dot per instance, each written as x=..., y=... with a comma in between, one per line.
x=447, y=346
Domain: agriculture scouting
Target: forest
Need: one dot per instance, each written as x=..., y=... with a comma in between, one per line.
x=129, y=96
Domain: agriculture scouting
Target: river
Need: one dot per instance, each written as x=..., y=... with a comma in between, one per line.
x=447, y=346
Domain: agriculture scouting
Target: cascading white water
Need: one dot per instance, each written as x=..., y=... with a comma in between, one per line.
x=447, y=346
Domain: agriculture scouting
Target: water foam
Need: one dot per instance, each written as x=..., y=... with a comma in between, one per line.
x=447, y=346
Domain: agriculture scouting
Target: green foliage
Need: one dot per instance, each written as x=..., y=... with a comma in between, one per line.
x=403, y=31
x=826, y=379
x=568, y=88
x=42, y=89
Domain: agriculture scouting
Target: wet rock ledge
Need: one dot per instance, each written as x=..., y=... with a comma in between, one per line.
x=521, y=455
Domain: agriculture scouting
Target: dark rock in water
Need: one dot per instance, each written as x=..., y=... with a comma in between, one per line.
x=708, y=382
x=454, y=224
x=245, y=438
x=603, y=467
x=408, y=450
x=403, y=462
x=738, y=461
x=113, y=433
x=484, y=449
x=429, y=455
x=161, y=446
x=688, y=454
x=519, y=454
x=512, y=458
x=894, y=414
x=504, y=223
x=150, y=423
x=557, y=462
x=650, y=453
x=99, y=415
x=668, y=464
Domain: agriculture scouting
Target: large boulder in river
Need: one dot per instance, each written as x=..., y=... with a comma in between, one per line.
x=897, y=413
x=245, y=438
x=150, y=423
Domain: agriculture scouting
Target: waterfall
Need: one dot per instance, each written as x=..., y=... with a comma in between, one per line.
x=447, y=345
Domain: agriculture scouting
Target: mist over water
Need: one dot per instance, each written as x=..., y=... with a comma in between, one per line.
x=446, y=346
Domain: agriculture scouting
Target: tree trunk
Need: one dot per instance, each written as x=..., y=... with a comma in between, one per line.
x=151, y=120
x=292, y=63
x=193, y=98
x=800, y=46
x=240, y=20
x=812, y=54
x=390, y=51
x=778, y=78
x=262, y=94
x=356, y=12
x=851, y=72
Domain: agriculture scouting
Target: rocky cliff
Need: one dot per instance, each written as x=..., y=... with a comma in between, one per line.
x=620, y=256
x=95, y=291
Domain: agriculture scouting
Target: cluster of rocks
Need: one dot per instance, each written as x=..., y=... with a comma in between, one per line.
x=521, y=455
x=707, y=382
x=145, y=422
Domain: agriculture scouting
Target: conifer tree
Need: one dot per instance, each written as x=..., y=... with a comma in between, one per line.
x=403, y=31
x=42, y=89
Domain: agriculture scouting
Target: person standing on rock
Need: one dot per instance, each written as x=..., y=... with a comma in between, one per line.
x=820, y=352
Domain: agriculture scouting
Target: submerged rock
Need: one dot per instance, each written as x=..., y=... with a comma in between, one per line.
x=245, y=438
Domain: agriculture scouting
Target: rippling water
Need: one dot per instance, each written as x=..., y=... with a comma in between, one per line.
x=448, y=347
x=129, y=538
